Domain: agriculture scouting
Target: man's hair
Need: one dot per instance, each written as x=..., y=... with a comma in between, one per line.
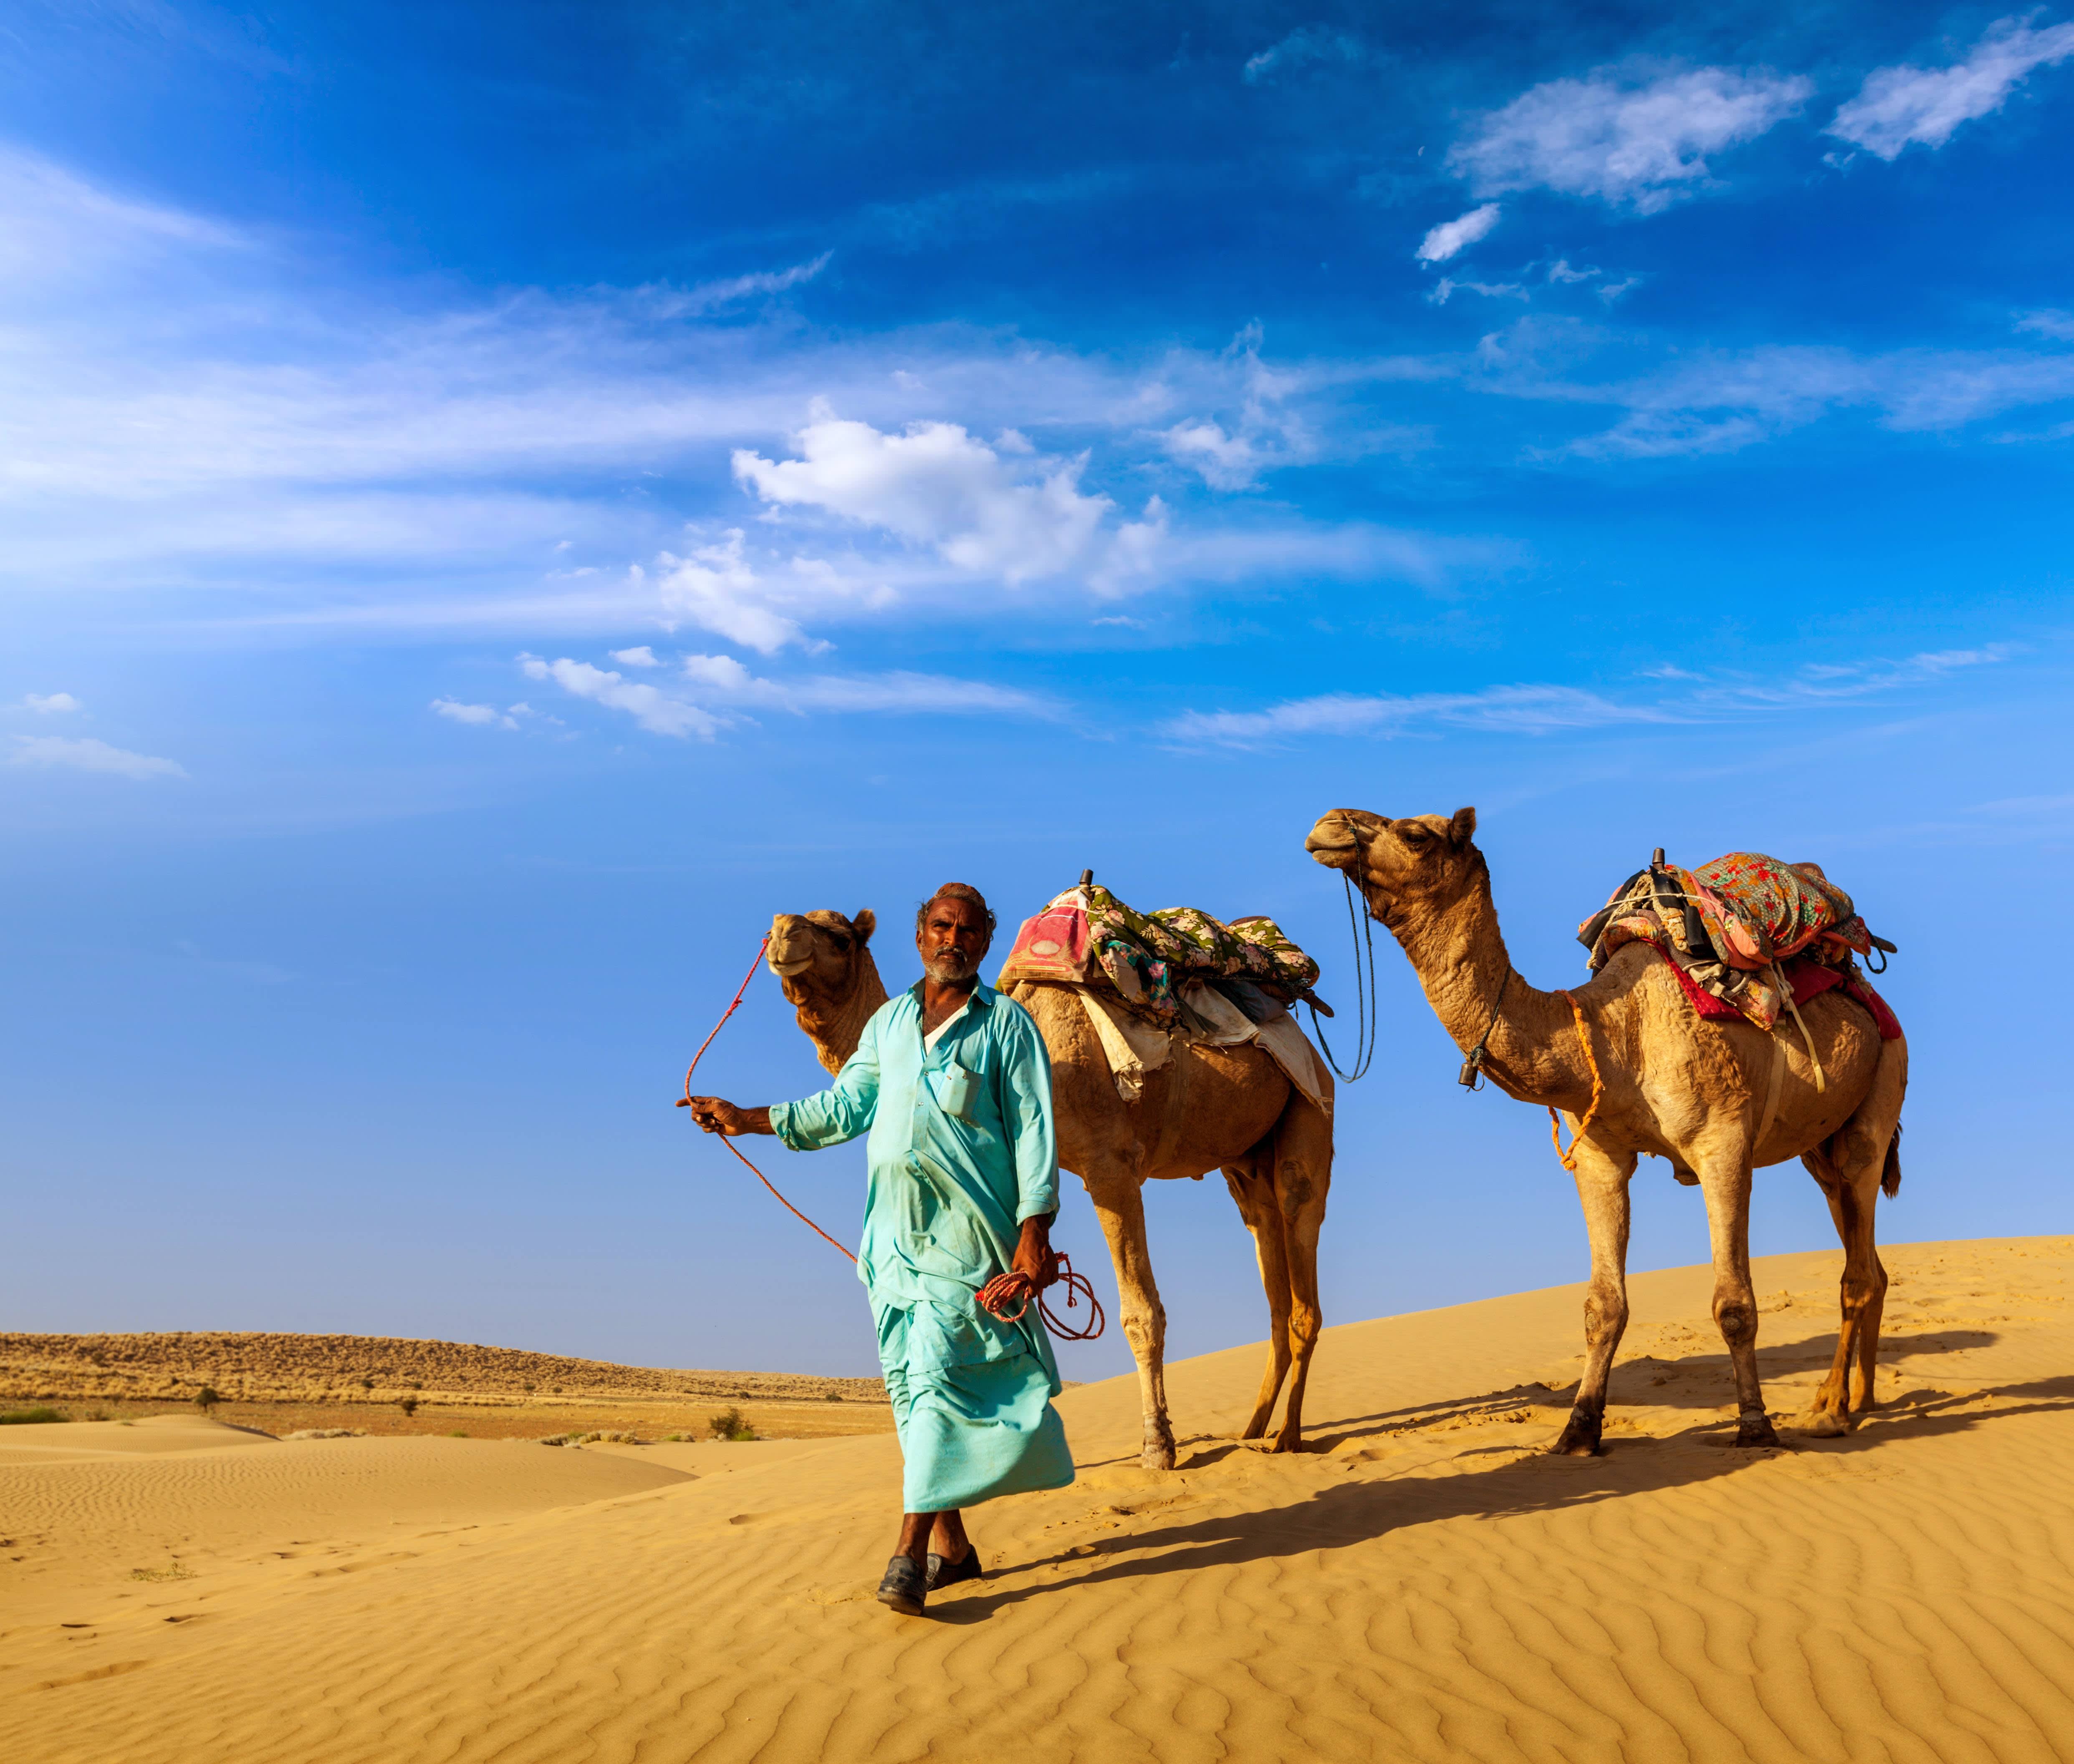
x=964, y=891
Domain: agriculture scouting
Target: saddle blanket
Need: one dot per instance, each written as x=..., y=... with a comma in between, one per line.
x=1726, y=926
x=1087, y=937
x=1810, y=980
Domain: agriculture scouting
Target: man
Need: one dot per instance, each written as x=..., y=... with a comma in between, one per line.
x=954, y=1084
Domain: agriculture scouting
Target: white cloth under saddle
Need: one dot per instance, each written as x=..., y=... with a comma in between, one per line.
x=1134, y=1046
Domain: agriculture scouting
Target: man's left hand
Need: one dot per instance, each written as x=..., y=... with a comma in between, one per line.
x=1034, y=1259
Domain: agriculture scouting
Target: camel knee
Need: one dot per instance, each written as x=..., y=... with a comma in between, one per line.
x=1737, y=1317
x=1146, y=1331
x=1605, y=1315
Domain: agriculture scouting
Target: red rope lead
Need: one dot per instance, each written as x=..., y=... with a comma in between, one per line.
x=997, y=1295
x=684, y=1101
x=782, y=1202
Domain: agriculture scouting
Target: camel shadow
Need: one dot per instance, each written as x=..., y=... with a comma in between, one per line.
x=1349, y=1514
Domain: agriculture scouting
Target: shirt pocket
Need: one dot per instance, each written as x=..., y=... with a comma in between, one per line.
x=958, y=1088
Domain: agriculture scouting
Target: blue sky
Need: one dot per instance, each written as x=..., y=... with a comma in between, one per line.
x=501, y=500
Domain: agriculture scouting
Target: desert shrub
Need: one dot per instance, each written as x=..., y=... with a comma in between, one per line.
x=29, y=1418
x=835, y=1396
x=206, y=1399
x=728, y=1424
x=458, y=1433
x=172, y=1572
x=408, y=1405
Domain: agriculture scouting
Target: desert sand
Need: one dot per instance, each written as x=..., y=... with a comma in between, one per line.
x=1421, y=1585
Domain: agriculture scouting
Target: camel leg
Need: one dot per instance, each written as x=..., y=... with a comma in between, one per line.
x=1602, y=1180
x=1302, y=1176
x=1252, y=1188
x=1849, y=1168
x=1119, y=1203
x=1726, y=1182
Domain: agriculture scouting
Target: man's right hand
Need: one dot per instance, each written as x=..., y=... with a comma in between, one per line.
x=718, y=1116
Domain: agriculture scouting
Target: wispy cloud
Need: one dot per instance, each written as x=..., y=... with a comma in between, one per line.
x=50, y=704
x=1305, y=46
x=1546, y=709
x=711, y=692
x=86, y=754
x=1902, y=106
x=482, y=716
x=1640, y=143
x=1443, y=241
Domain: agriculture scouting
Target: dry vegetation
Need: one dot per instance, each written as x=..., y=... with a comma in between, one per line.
x=280, y=1383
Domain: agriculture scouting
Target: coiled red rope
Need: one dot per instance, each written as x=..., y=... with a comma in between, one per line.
x=1002, y=1291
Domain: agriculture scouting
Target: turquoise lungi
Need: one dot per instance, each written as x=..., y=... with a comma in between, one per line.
x=962, y=1151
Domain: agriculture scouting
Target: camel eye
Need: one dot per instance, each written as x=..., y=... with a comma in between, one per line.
x=1414, y=834
x=842, y=945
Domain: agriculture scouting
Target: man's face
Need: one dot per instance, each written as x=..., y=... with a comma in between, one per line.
x=952, y=939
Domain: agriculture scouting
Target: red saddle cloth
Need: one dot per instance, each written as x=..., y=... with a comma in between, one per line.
x=1810, y=979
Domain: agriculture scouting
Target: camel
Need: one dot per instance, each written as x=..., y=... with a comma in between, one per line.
x=1717, y=1099
x=1228, y=1108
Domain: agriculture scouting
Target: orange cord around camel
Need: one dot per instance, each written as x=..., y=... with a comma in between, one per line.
x=1002, y=1291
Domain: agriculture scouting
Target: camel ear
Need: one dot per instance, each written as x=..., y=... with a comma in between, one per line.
x=1463, y=828
x=866, y=923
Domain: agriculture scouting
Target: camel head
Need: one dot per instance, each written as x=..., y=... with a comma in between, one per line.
x=824, y=963
x=1400, y=866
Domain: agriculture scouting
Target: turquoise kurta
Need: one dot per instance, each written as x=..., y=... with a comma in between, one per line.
x=962, y=1150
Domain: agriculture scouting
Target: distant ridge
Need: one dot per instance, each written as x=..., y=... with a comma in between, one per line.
x=255, y=1367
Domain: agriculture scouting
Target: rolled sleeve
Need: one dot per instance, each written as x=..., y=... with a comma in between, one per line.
x=840, y=1113
x=1026, y=1114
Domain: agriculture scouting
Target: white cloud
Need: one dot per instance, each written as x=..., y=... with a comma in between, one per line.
x=1560, y=271
x=1443, y=241
x=936, y=485
x=1642, y=145
x=716, y=589
x=719, y=685
x=1446, y=288
x=1899, y=106
x=89, y=755
x=666, y=303
x=1306, y=43
x=1227, y=462
x=1523, y=709
x=659, y=712
x=50, y=704
x=2059, y=326
x=481, y=714
x=1545, y=709
x=640, y=656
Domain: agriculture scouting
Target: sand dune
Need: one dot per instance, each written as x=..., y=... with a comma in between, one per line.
x=1423, y=1586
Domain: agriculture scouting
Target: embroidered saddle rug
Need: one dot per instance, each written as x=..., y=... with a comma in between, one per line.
x=1728, y=926
x=1087, y=937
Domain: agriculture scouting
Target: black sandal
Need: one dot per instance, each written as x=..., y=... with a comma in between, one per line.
x=944, y=1572
x=905, y=1586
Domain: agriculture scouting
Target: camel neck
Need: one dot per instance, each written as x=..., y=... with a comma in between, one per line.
x=835, y=1027
x=1459, y=954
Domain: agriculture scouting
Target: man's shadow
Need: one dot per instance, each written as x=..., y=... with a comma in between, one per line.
x=1348, y=1514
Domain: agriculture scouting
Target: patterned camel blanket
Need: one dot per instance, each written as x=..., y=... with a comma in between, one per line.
x=1087, y=937
x=1728, y=926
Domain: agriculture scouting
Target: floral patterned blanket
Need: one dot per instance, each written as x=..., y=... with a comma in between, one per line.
x=1729, y=924
x=1089, y=937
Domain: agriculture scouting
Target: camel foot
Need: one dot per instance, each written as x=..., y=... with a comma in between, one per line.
x=1578, y=1439
x=1158, y=1455
x=1755, y=1430
x=1289, y=1439
x=1822, y=1424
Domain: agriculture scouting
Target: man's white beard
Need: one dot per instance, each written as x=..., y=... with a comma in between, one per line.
x=947, y=970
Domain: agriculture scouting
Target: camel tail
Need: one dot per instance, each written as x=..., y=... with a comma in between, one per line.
x=1891, y=1177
